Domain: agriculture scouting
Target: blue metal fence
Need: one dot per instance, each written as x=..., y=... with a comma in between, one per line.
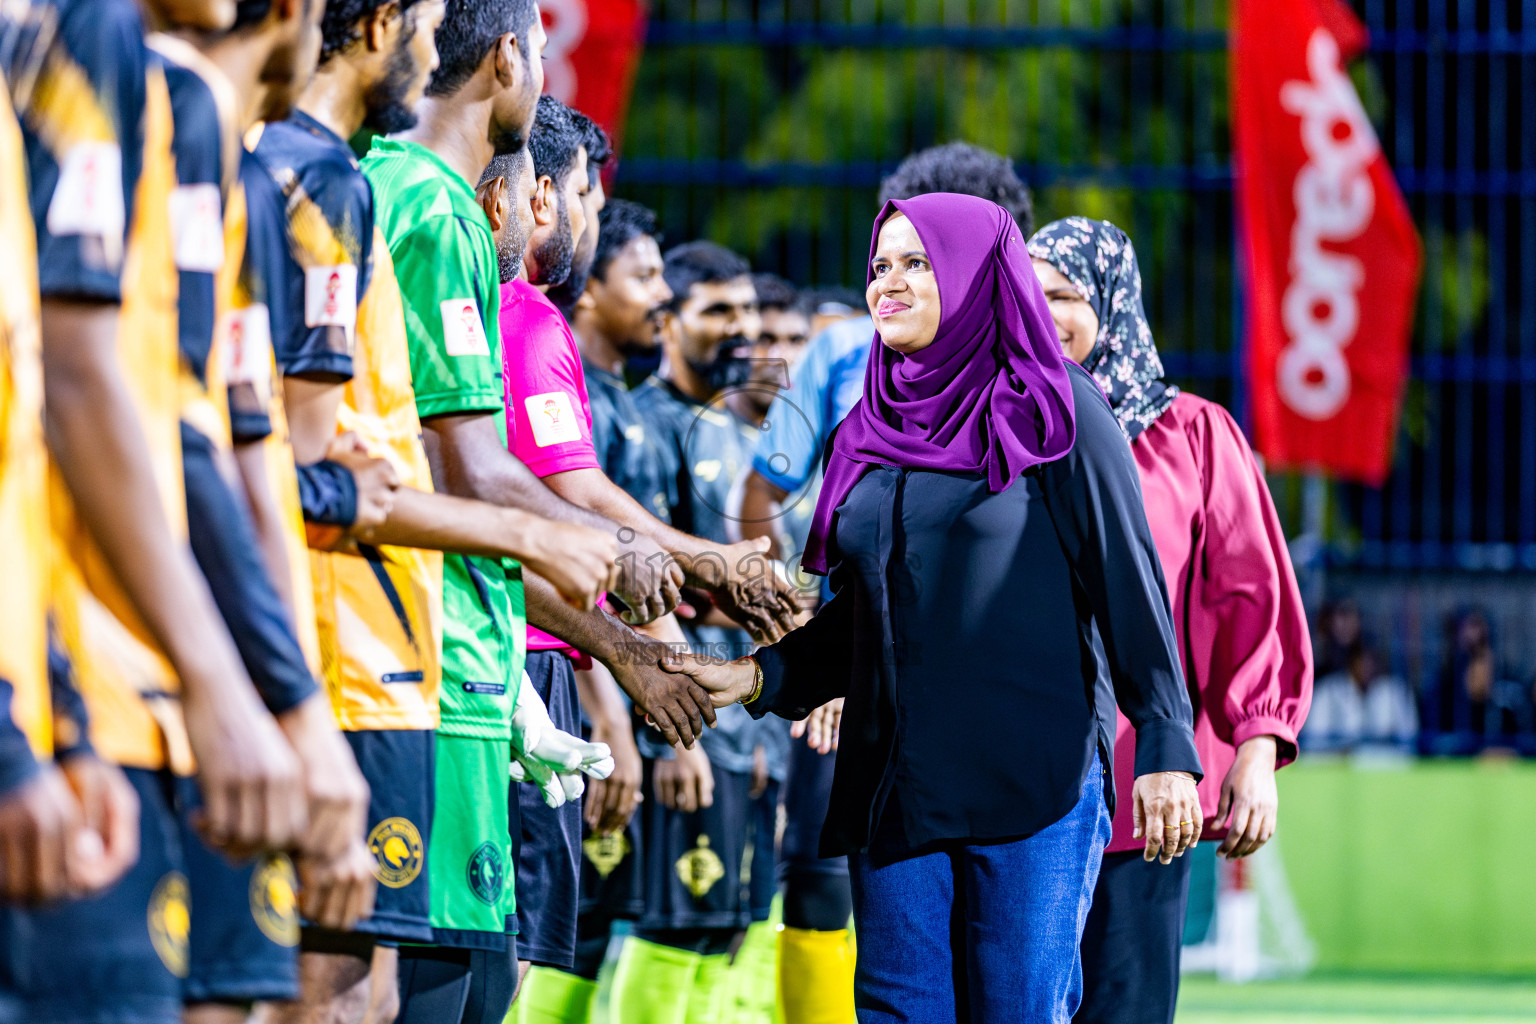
x=767, y=125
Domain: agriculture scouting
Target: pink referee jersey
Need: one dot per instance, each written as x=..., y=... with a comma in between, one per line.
x=1237, y=611
x=549, y=421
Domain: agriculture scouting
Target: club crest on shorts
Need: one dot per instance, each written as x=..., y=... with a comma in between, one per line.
x=487, y=873
x=274, y=899
x=606, y=852
x=700, y=868
x=170, y=921
x=397, y=852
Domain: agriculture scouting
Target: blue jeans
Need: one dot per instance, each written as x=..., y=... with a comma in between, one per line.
x=988, y=934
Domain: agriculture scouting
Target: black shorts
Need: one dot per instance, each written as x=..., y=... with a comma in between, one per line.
x=245, y=920
x=807, y=792
x=118, y=957
x=399, y=765
x=762, y=878
x=548, y=849
x=693, y=862
x=613, y=874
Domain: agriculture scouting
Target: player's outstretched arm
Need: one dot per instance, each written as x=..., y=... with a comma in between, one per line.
x=253, y=798
x=468, y=459
x=578, y=560
x=739, y=576
x=678, y=706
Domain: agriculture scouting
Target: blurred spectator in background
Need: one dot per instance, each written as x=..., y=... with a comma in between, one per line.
x=786, y=328
x=1359, y=707
x=1338, y=633
x=829, y=305
x=1472, y=706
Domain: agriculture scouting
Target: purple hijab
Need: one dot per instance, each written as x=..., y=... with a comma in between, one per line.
x=990, y=396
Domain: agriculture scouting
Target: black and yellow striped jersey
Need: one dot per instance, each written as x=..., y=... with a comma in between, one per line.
x=96, y=121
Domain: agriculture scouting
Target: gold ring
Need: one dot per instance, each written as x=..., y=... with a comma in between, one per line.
x=1174, y=828
x=1186, y=823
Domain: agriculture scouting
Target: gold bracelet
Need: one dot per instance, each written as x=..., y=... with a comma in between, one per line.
x=757, y=682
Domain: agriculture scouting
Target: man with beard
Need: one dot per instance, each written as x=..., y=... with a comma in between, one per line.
x=617, y=312
x=348, y=364
x=599, y=151
x=156, y=665
x=696, y=911
x=618, y=315
x=241, y=949
x=480, y=103
x=549, y=429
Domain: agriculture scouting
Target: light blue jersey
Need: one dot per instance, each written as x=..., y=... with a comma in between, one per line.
x=825, y=384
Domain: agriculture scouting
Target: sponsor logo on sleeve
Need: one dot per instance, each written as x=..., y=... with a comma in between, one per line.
x=197, y=225
x=463, y=334
x=88, y=199
x=247, y=340
x=330, y=297
x=553, y=418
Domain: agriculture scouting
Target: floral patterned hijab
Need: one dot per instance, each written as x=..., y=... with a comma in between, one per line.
x=1099, y=259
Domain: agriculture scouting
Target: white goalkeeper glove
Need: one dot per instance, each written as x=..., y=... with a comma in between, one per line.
x=550, y=758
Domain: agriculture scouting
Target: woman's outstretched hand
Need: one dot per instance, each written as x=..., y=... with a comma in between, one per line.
x=1166, y=812
x=727, y=682
x=820, y=727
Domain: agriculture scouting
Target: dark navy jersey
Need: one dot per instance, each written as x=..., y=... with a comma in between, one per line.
x=197, y=204
x=704, y=453
x=704, y=450
x=77, y=71
x=330, y=235
x=626, y=451
x=262, y=306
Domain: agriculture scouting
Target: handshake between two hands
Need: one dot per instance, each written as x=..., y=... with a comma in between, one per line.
x=727, y=682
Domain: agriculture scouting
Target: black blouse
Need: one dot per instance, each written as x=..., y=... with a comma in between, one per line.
x=982, y=641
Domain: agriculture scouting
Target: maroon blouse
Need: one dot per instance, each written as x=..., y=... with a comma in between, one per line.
x=1237, y=611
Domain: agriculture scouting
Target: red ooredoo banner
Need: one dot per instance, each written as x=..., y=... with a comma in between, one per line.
x=1332, y=257
x=591, y=56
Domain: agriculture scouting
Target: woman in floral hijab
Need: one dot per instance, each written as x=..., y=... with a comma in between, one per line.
x=1098, y=264
x=1236, y=608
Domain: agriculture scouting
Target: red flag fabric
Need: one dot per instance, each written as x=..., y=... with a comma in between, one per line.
x=591, y=56
x=1332, y=257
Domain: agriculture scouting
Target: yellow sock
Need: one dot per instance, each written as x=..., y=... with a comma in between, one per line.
x=549, y=996
x=653, y=983
x=752, y=992
x=815, y=977
x=706, y=1003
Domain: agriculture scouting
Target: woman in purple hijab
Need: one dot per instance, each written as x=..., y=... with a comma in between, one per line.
x=996, y=594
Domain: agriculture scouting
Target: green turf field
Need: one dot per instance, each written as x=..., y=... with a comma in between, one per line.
x=1359, y=999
